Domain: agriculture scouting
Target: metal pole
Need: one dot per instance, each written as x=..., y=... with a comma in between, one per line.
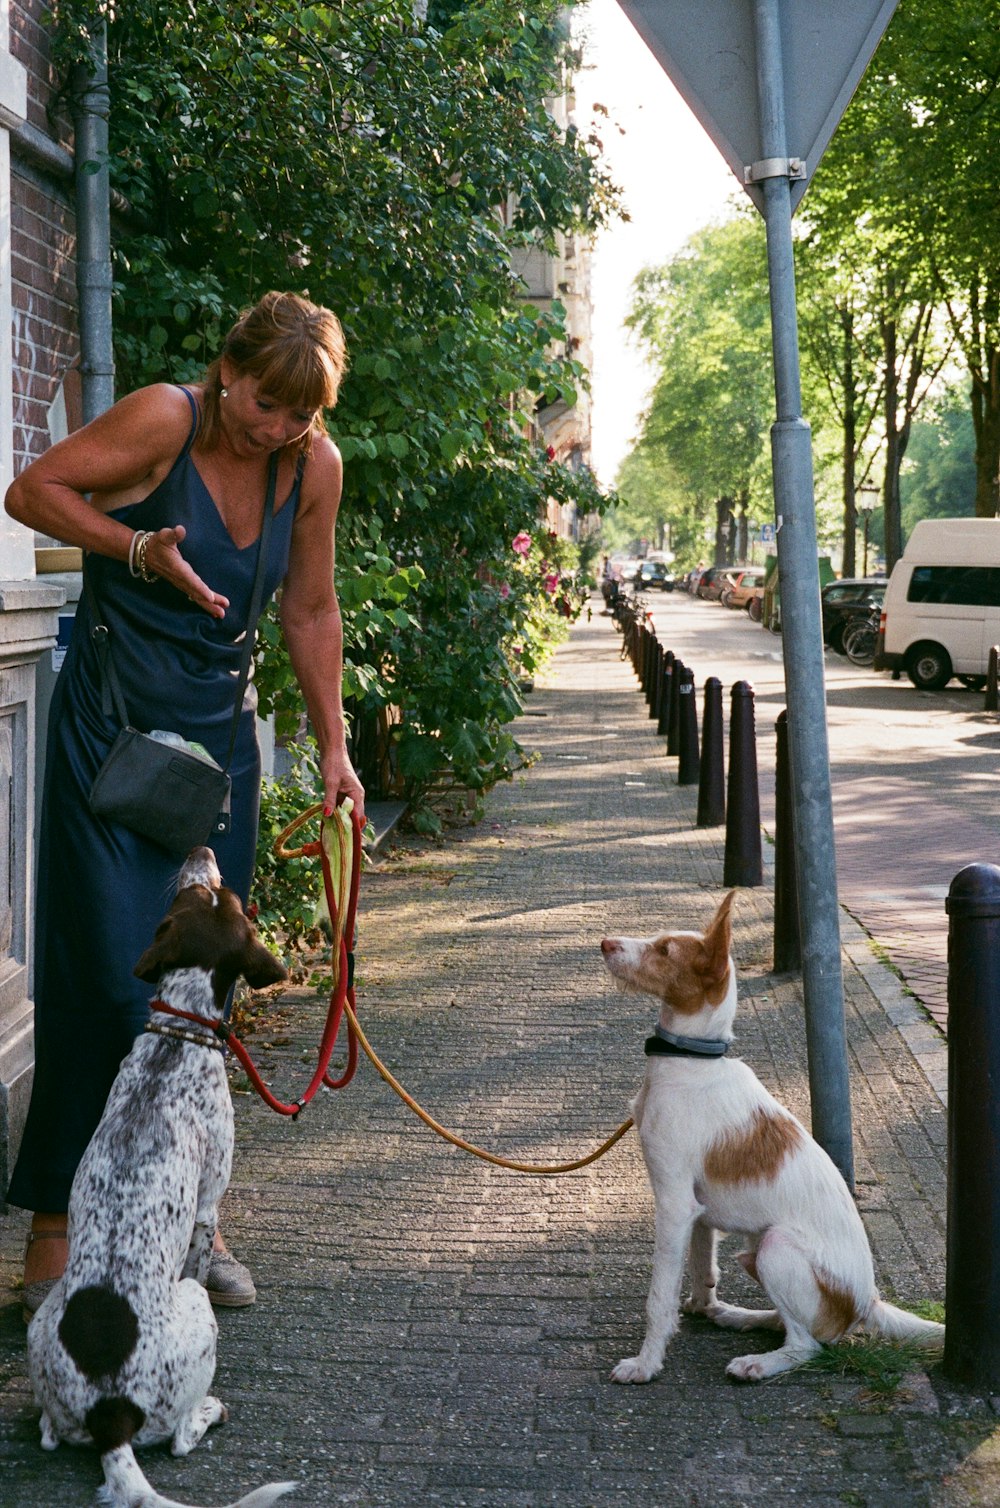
x=802, y=639
x=93, y=230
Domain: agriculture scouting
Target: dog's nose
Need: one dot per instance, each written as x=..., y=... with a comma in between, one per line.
x=609, y=945
x=200, y=868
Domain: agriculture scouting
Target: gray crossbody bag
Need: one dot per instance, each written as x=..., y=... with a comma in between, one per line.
x=156, y=783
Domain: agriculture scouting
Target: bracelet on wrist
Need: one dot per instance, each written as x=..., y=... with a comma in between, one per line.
x=140, y=558
x=133, y=569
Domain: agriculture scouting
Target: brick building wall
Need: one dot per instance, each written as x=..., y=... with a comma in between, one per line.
x=43, y=269
x=37, y=343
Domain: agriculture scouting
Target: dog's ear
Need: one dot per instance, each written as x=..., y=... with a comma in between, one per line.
x=260, y=967
x=717, y=942
x=161, y=954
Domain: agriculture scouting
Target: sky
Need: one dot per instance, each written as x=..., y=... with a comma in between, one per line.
x=674, y=180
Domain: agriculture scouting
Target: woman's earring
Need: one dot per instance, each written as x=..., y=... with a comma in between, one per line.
x=224, y=393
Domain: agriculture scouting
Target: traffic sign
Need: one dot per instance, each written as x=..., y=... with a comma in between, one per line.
x=708, y=51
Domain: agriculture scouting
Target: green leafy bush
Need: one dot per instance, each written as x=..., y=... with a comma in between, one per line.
x=285, y=891
x=359, y=155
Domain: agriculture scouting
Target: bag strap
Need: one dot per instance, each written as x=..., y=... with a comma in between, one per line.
x=102, y=638
x=256, y=601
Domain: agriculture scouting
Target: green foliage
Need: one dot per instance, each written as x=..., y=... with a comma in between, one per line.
x=285, y=890
x=896, y=258
x=704, y=319
x=353, y=153
x=939, y=474
x=911, y=170
x=503, y=616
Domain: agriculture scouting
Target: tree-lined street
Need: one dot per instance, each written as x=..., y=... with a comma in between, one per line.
x=913, y=773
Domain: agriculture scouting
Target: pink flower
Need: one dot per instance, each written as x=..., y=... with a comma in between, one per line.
x=504, y=591
x=551, y=583
x=521, y=543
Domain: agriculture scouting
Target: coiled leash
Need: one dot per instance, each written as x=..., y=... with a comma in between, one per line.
x=339, y=848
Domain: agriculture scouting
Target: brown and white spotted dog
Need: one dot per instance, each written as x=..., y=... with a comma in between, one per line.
x=122, y=1351
x=724, y=1155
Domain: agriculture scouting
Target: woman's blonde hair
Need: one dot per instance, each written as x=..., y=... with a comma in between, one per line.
x=294, y=348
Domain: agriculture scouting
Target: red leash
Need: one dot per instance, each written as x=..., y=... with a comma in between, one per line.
x=343, y=923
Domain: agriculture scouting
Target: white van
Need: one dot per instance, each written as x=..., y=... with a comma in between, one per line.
x=941, y=611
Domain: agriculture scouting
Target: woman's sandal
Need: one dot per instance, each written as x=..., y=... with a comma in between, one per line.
x=34, y=1294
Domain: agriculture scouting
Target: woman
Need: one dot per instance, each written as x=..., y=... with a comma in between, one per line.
x=165, y=492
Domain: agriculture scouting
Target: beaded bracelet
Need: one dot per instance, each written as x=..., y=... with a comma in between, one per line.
x=140, y=558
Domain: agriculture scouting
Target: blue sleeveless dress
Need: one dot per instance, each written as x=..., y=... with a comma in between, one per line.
x=102, y=889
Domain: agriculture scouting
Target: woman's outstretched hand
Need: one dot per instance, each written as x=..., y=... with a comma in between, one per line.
x=163, y=556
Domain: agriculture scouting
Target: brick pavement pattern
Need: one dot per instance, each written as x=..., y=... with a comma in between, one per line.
x=434, y=1330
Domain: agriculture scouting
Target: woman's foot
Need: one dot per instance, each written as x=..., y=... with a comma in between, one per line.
x=228, y=1284
x=44, y=1260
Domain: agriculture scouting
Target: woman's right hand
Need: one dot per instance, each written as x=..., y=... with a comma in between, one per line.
x=163, y=557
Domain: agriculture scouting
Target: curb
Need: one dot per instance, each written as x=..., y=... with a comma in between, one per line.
x=924, y=1039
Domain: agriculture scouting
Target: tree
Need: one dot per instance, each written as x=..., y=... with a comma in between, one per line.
x=914, y=161
x=939, y=477
x=704, y=319
x=841, y=364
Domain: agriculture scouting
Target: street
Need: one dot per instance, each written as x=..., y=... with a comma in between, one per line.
x=914, y=777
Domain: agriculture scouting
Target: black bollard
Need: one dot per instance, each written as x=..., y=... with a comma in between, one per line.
x=654, y=706
x=647, y=654
x=744, y=862
x=992, y=702
x=673, y=712
x=642, y=638
x=711, y=781
x=666, y=678
x=652, y=674
x=687, y=731
x=972, y=1279
x=787, y=939
x=637, y=642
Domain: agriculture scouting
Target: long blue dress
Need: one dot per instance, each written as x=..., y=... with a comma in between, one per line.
x=102, y=889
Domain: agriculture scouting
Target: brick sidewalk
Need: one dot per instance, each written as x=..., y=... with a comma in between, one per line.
x=434, y=1330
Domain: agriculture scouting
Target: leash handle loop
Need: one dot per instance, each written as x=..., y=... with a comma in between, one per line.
x=306, y=850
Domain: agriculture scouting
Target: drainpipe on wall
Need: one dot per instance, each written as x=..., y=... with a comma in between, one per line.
x=93, y=230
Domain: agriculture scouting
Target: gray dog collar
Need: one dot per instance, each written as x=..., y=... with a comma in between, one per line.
x=668, y=1043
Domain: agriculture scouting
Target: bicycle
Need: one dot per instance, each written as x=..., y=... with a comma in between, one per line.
x=861, y=636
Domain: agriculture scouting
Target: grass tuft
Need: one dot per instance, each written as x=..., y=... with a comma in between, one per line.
x=880, y=1365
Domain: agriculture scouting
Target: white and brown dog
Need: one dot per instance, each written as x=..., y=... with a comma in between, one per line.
x=122, y=1351
x=724, y=1155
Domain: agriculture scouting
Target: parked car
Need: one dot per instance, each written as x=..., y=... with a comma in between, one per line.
x=654, y=574
x=844, y=601
x=627, y=567
x=738, y=590
x=712, y=581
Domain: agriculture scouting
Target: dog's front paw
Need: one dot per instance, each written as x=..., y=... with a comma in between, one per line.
x=693, y=1305
x=633, y=1369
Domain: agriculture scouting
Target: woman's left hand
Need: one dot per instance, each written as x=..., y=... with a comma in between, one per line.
x=339, y=780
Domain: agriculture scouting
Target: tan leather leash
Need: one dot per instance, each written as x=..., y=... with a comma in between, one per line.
x=547, y=1170
x=340, y=872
